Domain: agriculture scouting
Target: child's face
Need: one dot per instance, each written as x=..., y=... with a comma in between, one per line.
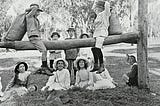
x=97, y=10
x=31, y=88
x=60, y=65
x=130, y=60
x=37, y=12
x=21, y=68
x=84, y=36
x=81, y=63
x=55, y=37
x=92, y=20
x=71, y=33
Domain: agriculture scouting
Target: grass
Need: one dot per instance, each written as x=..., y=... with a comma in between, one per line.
x=119, y=96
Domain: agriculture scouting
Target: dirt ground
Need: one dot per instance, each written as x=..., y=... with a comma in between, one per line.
x=119, y=96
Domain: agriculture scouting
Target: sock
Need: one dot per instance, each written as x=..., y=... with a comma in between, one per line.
x=100, y=55
x=51, y=63
x=95, y=54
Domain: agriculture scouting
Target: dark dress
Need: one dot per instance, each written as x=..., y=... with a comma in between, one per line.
x=133, y=75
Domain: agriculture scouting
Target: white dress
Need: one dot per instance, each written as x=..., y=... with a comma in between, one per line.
x=86, y=52
x=1, y=93
x=59, y=81
x=101, y=25
x=84, y=78
x=103, y=80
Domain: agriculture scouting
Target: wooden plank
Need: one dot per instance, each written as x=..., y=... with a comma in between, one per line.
x=68, y=44
x=142, y=56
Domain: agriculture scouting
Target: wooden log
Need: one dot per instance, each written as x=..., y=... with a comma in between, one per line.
x=142, y=56
x=68, y=44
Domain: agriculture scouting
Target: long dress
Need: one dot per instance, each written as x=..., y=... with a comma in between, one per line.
x=1, y=93
x=103, y=80
x=86, y=52
x=84, y=78
x=16, y=88
x=59, y=81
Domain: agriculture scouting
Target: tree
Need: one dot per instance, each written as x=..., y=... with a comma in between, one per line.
x=5, y=21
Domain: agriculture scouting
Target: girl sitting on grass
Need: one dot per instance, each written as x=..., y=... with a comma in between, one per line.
x=19, y=83
x=84, y=78
x=131, y=78
x=61, y=78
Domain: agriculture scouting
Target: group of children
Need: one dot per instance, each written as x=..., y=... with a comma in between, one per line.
x=84, y=65
x=61, y=80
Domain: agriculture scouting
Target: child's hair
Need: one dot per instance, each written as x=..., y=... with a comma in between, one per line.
x=59, y=61
x=17, y=67
x=36, y=88
x=55, y=33
x=92, y=15
x=85, y=64
x=133, y=58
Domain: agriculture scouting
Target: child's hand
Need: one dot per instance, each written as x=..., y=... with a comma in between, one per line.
x=115, y=83
x=125, y=78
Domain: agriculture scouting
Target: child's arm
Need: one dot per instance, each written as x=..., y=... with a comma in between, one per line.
x=10, y=84
x=67, y=80
x=106, y=14
x=32, y=12
x=107, y=8
x=90, y=82
x=134, y=71
x=77, y=79
x=51, y=80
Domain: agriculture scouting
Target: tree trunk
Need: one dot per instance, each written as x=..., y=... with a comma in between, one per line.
x=72, y=43
x=142, y=56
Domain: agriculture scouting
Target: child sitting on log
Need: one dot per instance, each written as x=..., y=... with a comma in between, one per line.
x=102, y=9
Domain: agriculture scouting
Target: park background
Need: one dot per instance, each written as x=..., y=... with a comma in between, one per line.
x=61, y=14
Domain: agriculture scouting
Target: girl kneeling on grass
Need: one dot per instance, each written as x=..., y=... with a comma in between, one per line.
x=61, y=78
x=84, y=78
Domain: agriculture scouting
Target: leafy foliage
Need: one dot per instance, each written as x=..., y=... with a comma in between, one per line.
x=61, y=14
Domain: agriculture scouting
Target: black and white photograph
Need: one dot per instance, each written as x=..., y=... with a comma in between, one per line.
x=79, y=53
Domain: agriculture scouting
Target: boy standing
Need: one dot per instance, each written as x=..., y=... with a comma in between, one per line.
x=54, y=54
x=71, y=54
